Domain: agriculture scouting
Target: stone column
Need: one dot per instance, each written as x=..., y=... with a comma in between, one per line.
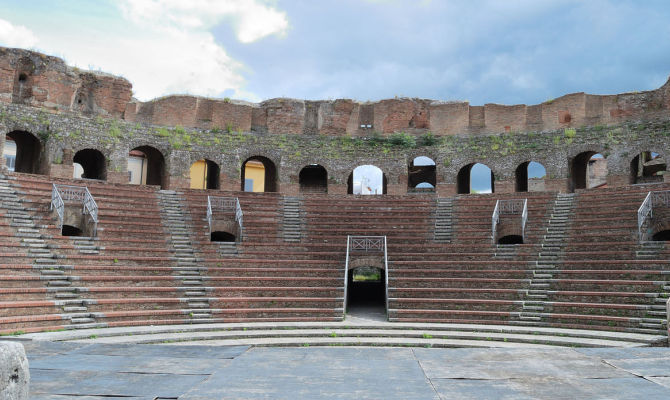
x=617, y=180
x=14, y=374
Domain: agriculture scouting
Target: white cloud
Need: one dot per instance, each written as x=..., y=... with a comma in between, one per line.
x=16, y=35
x=251, y=19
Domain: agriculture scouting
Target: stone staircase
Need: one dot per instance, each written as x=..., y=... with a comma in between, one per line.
x=649, y=250
x=443, y=219
x=187, y=268
x=505, y=251
x=86, y=245
x=291, y=221
x=541, y=270
x=44, y=259
x=228, y=249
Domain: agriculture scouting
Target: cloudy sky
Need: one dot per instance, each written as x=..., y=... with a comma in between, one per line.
x=500, y=51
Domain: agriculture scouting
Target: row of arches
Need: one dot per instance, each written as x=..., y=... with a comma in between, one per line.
x=146, y=165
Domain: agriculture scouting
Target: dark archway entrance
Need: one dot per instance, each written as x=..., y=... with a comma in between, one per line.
x=588, y=170
x=28, y=152
x=221, y=236
x=647, y=167
x=662, y=236
x=92, y=162
x=259, y=174
x=146, y=166
x=475, y=178
x=313, y=179
x=366, y=293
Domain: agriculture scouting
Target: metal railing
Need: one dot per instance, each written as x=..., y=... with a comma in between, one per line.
x=366, y=245
x=646, y=211
x=224, y=204
x=509, y=207
x=61, y=194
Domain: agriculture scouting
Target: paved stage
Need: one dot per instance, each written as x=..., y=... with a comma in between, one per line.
x=63, y=370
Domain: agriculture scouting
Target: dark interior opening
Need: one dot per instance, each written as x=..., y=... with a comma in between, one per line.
x=662, y=236
x=270, y=181
x=521, y=174
x=23, y=77
x=93, y=162
x=646, y=166
x=313, y=179
x=511, y=239
x=587, y=171
x=155, y=165
x=220, y=236
x=69, y=230
x=366, y=293
x=28, y=151
x=417, y=174
x=213, y=172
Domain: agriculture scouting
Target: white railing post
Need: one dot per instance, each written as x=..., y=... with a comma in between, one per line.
x=209, y=214
x=524, y=218
x=57, y=203
x=346, y=279
x=494, y=221
x=386, y=277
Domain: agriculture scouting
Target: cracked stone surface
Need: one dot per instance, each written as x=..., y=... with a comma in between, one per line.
x=14, y=374
x=138, y=372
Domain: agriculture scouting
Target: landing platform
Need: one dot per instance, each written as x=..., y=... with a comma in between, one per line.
x=65, y=370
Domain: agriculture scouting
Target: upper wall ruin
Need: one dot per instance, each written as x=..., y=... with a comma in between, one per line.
x=34, y=79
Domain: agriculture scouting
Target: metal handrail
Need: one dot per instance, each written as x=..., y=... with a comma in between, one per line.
x=346, y=279
x=67, y=193
x=224, y=204
x=509, y=207
x=386, y=278
x=646, y=210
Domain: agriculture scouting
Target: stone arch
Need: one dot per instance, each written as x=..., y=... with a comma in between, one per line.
x=146, y=166
x=313, y=178
x=421, y=173
x=367, y=179
x=28, y=151
x=646, y=166
x=587, y=170
x=204, y=174
x=529, y=177
x=93, y=164
x=259, y=174
x=465, y=179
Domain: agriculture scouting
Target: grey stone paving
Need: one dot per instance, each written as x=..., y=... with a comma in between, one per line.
x=138, y=372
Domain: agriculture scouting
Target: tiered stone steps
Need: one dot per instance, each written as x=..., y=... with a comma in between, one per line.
x=443, y=219
x=187, y=265
x=291, y=221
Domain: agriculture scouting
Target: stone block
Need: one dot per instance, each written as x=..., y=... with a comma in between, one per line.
x=14, y=374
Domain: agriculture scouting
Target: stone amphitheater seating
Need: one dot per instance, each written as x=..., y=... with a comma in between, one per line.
x=586, y=271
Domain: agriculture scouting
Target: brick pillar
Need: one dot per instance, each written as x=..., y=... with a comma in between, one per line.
x=617, y=180
x=556, y=185
x=229, y=183
x=505, y=186
x=446, y=189
x=334, y=188
x=178, y=182
x=117, y=177
x=62, y=171
x=290, y=189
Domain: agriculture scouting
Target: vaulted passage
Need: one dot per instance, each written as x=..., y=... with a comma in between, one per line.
x=421, y=174
x=204, y=175
x=511, y=239
x=70, y=230
x=530, y=177
x=367, y=180
x=647, y=167
x=28, y=150
x=146, y=166
x=475, y=178
x=366, y=293
x=313, y=179
x=588, y=170
x=220, y=236
x=259, y=174
x=90, y=164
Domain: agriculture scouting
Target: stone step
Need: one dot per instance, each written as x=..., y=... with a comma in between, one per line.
x=69, y=309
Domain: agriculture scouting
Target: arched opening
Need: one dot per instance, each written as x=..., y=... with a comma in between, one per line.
x=421, y=174
x=259, y=174
x=313, y=179
x=221, y=236
x=511, y=239
x=204, y=174
x=662, y=236
x=647, y=167
x=588, y=170
x=366, y=292
x=9, y=153
x=93, y=164
x=69, y=230
x=146, y=166
x=367, y=180
x=475, y=178
x=530, y=177
x=27, y=151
